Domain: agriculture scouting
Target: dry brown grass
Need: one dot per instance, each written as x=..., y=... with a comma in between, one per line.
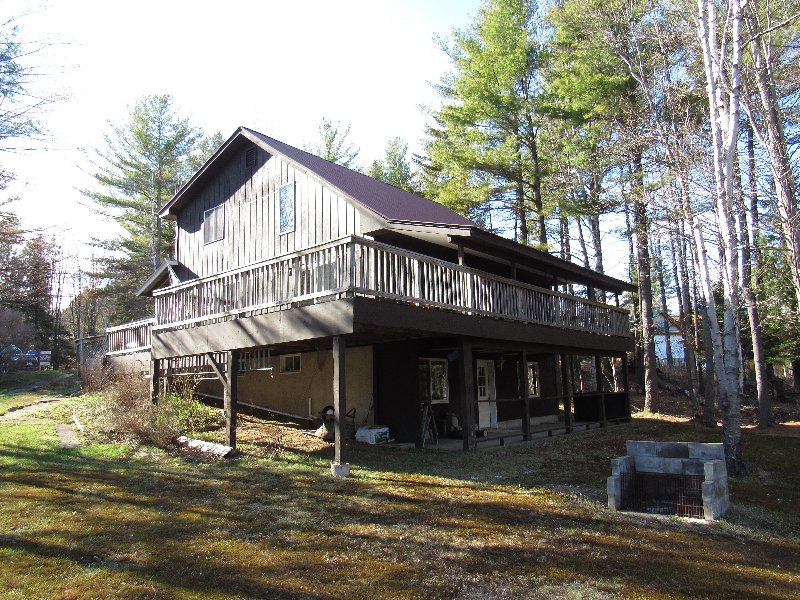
x=525, y=521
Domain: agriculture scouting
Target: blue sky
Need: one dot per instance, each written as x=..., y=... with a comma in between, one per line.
x=275, y=66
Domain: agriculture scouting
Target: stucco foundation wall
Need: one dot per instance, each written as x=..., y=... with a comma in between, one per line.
x=290, y=392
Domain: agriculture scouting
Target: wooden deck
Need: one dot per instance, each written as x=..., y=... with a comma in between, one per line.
x=355, y=266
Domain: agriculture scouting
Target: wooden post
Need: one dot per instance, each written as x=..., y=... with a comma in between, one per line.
x=461, y=254
x=231, y=396
x=466, y=378
x=626, y=383
x=598, y=367
x=338, y=468
x=566, y=379
x=155, y=379
x=522, y=382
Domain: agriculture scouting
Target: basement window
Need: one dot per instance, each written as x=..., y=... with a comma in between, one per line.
x=214, y=224
x=433, y=386
x=286, y=208
x=290, y=363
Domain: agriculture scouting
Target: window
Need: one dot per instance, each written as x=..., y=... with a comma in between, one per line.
x=290, y=363
x=533, y=379
x=286, y=208
x=214, y=224
x=433, y=386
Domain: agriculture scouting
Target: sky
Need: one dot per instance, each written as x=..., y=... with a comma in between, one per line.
x=276, y=66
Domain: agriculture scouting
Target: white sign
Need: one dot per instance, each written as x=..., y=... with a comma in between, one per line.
x=44, y=358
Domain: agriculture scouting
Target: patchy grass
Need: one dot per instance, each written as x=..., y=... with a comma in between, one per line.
x=122, y=521
x=20, y=388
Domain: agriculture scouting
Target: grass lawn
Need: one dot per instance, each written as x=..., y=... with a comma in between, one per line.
x=20, y=388
x=525, y=521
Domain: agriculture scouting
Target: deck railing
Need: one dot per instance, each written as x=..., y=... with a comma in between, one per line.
x=130, y=337
x=368, y=268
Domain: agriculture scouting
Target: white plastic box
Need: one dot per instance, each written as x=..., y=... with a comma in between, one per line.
x=373, y=434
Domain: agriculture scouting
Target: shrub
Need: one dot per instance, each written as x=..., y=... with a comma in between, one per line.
x=125, y=407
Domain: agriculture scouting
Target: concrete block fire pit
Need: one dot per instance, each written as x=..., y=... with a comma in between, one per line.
x=684, y=478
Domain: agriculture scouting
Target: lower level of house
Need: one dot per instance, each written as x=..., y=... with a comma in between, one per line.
x=412, y=369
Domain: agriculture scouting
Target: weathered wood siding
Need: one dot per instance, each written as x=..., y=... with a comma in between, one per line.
x=250, y=196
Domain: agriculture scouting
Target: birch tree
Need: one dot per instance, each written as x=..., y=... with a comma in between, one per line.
x=722, y=57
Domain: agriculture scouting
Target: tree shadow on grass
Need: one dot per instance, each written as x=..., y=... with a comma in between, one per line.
x=267, y=528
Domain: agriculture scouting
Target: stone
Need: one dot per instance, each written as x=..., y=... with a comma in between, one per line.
x=706, y=451
x=340, y=469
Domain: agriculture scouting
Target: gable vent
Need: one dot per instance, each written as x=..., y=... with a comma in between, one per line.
x=250, y=158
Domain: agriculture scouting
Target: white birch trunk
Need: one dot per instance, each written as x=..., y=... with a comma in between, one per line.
x=722, y=60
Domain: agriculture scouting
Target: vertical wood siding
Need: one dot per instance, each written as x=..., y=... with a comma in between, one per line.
x=250, y=197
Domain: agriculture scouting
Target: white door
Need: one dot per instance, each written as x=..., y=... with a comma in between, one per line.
x=487, y=407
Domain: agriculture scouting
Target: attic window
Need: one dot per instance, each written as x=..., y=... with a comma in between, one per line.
x=250, y=158
x=286, y=208
x=214, y=224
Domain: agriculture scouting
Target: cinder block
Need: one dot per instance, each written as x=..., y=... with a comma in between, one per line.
x=622, y=464
x=655, y=464
x=340, y=469
x=692, y=466
x=672, y=449
x=706, y=451
x=640, y=448
x=614, y=488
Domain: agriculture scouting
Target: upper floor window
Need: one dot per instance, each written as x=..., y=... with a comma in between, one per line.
x=286, y=208
x=214, y=224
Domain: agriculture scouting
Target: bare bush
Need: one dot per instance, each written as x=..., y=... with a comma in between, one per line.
x=125, y=407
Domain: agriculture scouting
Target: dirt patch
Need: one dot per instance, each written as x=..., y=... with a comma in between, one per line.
x=265, y=437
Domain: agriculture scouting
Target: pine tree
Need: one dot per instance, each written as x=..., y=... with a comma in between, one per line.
x=394, y=168
x=144, y=162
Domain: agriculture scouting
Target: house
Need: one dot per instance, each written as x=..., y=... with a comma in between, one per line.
x=299, y=284
x=668, y=334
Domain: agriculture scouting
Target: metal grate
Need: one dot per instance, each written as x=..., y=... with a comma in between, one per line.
x=663, y=494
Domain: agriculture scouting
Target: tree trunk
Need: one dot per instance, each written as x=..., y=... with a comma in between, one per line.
x=642, y=227
x=759, y=357
x=774, y=140
x=724, y=119
x=537, y=193
x=681, y=275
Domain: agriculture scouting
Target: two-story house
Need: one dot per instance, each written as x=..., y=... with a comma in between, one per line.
x=299, y=284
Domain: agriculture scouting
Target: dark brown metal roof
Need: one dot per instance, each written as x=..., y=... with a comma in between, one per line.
x=386, y=200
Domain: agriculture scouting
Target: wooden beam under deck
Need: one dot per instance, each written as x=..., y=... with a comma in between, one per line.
x=372, y=315
x=315, y=321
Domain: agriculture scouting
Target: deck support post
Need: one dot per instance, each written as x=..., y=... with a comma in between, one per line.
x=598, y=367
x=155, y=379
x=626, y=384
x=566, y=382
x=522, y=383
x=231, y=396
x=466, y=378
x=339, y=468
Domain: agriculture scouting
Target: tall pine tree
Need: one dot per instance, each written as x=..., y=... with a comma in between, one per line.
x=145, y=161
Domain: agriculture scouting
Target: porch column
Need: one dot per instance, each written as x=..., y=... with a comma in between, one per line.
x=231, y=396
x=155, y=379
x=466, y=378
x=566, y=382
x=522, y=384
x=338, y=468
x=598, y=367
